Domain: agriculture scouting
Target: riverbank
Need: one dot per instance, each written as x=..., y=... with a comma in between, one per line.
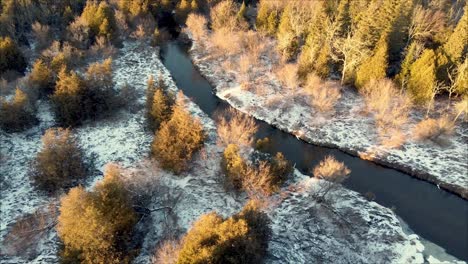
x=346, y=129
x=297, y=220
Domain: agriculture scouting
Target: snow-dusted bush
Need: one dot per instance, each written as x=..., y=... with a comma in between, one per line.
x=197, y=24
x=333, y=173
x=287, y=75
x=167, y=252
x=235, y=127
x=324, y=95
x=433, y=129
x=59, y=164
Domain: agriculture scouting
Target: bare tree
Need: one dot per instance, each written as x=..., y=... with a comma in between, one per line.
x=350, y=51
x=461, y=107
x=167, y=252
x=425, y=23
x=42, y=35
x=235, y=127
x=332, y=173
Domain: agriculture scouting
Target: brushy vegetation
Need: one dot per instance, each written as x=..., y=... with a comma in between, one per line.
x=106, y=212
x=60, y=162
x=241, y=238
x=178, y=139
x=17, y=114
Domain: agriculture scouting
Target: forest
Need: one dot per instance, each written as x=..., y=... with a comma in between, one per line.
x=111, y=153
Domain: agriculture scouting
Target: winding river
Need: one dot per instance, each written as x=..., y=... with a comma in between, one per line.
x=432, y=213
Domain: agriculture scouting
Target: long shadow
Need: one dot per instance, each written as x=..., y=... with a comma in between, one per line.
x=436, y=215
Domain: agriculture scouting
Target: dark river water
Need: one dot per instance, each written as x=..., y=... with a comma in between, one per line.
x=432, y=213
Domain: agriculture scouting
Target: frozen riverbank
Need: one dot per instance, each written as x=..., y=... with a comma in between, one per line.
x=346, y=129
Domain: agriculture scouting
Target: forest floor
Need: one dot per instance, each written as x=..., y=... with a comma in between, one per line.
x=444, y=163
x=302, y=229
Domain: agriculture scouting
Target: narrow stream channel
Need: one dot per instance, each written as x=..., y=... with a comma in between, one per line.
x=432, y=213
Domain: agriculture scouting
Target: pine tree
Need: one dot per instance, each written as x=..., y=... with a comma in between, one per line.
x=242, y=12
x=413, y=52
x=59, y=164
x=182, y=11
x=68, y=97
x=288, y=43
x=267, y=18
x=374, y=67
x=18, y=114
x=456, y=46
x=422, y=77
x=41, y=77
x=178, y=139
x=343, y=19
x=95, y=226
x=11, y=57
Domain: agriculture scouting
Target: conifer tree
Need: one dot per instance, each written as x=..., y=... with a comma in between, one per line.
x=267, y=18
x=17, y=114
x=59, y=164
x=422, y=77
x=343, y=19
x=456, y=46
x=178, y=139
x=288, y=42
x=182, y=11
x=375, y=66
x=95, y=226
x=68, y=97
x=242, y=11
x=41, y=77
x=11, y=57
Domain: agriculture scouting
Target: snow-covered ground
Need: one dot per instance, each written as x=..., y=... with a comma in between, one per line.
x=347, y=128
x=302, y=230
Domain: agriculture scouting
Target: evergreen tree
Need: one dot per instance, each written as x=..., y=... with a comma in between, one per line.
x=413, y=52
x=242, y=12
x=233, y=165
x=374, y=67
x=288, y=42
x=267, y=18
x=11, y=57
x=95, y=226
x=68, y=97
x=17, y=114
x=178, y=139
x=422, y=77
x=158, y=103
x=182, y=11
x=343, y=19
x=59, y=164
x=456, y=46
x=242, y=238
x=41, y=77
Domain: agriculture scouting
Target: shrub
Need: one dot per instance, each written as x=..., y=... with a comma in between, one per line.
x=263, y=144
x=95, y=226
x=17, y=114
x=197, y=25
x=235, y=127
x=242, y=238
x=324, y=95
x=11, y=57
x=433, y=129
x=42, y=78
x=59, y=164
x=262, y=179
x=332, y=172
x=287, y=75
x=77, y=99
x=389, y=105
x=167, y=252
x=178, y=139
x=234, y=166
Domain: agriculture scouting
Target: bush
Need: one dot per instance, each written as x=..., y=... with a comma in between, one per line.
x=18, y=114
x=235, y=127
x=197, y=25
x=332, y=172
x=178, y=139
x=11, y=57
x=324, y=95
x=59, y=164
x=96, y=226
x=77, y=99
x=433, y=129
x=242, y=238
x=262, y=179
x=287, y=75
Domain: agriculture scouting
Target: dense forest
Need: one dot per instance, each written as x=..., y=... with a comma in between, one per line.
x=397, y=55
